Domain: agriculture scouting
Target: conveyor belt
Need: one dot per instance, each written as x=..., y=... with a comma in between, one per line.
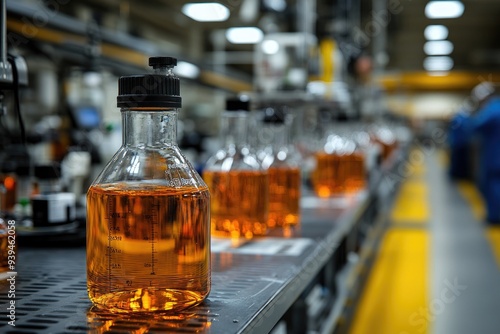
x=250, y=291
x=252, y=288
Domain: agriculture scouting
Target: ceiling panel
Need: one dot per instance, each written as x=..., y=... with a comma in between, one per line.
x=475, y=32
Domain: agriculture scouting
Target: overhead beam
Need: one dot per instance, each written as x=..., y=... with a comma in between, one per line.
x=423, y=81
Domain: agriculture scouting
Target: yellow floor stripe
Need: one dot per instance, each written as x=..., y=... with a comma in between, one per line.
x=415, y=171
x=397, y=287
x=493, y=234
x=411, y=203
x=415, y=166
x=443, y=158
x=472, y=195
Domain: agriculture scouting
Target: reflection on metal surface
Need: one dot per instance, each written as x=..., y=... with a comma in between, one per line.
x=99, y=321
x=336, y=202
x=264, y=246
x=225, y=261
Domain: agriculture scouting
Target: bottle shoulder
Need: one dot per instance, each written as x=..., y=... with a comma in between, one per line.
x=226, y=160
x=165, y=166
x=283, y=157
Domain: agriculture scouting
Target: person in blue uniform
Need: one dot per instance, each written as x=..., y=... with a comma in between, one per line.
x=486, y=124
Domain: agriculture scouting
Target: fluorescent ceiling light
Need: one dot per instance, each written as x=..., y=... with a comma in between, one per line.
x=438, y=48
x=92, y=79
x=436, y=32
x=206, y=12
x=444, y=9
x=187, y=70
x=270, y=46
x=442, y=63
x=277, y=5
x=244, y=35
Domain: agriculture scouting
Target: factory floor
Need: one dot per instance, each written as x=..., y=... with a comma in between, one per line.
x=438, y=267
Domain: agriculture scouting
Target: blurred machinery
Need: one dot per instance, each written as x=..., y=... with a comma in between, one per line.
x=46, y=154
x=281, y=61
x=13, y=75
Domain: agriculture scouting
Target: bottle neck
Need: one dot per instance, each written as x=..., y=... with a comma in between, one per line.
x=280, y=136
x=234, y=129
x=146, y=127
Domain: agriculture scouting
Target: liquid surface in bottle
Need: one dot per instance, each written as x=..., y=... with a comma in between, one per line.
x=239, y=203
x=338, y=174
x=284, y=195
x=148, y=247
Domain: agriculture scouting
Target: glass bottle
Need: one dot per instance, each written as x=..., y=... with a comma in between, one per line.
x=284, y=172
x=340, y=164
x=237, y=181
x=148, y=212
x=382, y=135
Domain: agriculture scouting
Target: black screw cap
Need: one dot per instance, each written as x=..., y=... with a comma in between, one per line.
x=157, y=62
x=237, y=104
x=151, y=90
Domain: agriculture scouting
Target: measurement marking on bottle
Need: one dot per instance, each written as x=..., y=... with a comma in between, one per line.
x=153, y=222
x=110, y=225
x=113, y=250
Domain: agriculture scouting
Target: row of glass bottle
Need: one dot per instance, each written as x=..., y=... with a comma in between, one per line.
x=253, y=190
x=256, y=187
x=346, y=152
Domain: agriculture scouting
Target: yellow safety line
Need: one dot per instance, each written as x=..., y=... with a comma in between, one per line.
x=493, y=234
x=473, y=197
x=416, y=171
x=411, y=203
x=397, y=289
x=443, y=158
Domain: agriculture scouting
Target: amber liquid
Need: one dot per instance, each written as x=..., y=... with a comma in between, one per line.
x=338, y=174
x=148, y=247
x=387, y=148
x=103, y=322
x=239, y=203
x=8, y=198
x=4, y=250
x=284, y=196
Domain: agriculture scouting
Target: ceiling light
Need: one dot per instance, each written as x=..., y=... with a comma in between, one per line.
x=444, y=9
x=187, y=70
x=436, y=32
x=276, y=5
x=206, y=12
x=438, y=48
x=442, y=63
x=270, y=46
x=244, y=35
